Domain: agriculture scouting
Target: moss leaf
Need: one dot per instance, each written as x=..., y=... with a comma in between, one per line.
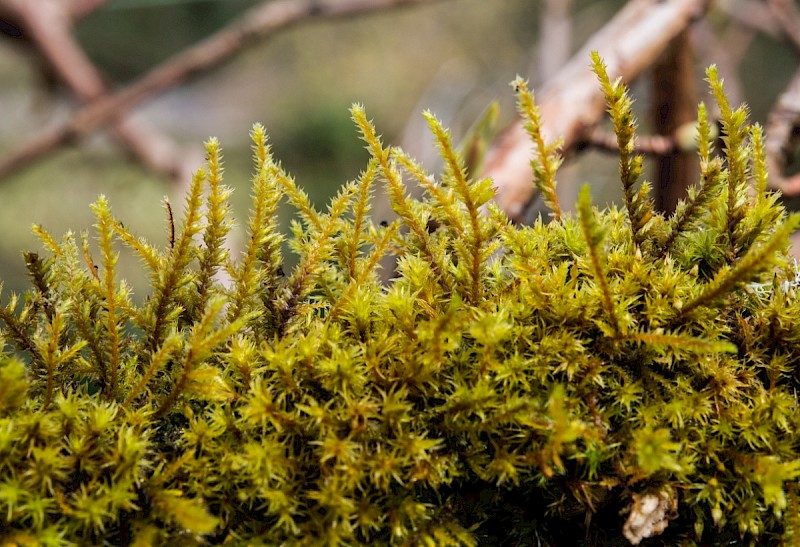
x=187, y=513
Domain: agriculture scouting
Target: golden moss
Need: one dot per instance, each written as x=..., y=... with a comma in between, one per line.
x=619, y=374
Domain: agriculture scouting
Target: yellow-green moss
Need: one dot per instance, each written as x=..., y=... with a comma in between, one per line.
x=508, y=386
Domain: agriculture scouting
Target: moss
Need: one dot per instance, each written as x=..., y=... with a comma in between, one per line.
x=612, y=377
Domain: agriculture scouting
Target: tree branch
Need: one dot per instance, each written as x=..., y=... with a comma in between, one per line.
x=783, y=137
x=780, y=19
x=555, y=37
x=606, y=141
x=674, y=105
x=47, y=24
x=257, y=24
x=571, y=102
x=787, y=19
x=755, y=15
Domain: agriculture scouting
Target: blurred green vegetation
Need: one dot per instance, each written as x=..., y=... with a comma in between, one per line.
x=57, y=193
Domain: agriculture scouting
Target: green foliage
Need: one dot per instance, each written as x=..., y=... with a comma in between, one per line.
x=599, y=379
x=546, y=160
x=638, y=203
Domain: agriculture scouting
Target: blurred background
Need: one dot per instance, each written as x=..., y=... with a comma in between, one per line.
x=453, y=57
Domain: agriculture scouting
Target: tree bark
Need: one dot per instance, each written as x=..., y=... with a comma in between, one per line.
x=572, y=103
x=674, y=104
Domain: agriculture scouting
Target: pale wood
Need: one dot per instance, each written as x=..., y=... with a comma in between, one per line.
x=572, y=103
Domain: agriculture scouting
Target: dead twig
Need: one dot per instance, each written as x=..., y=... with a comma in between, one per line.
x=48, y=26
x=257, y=24
x=555, y=37
x=753, y=15
x=781, y=21
x=787, y=19
x=783, y=137
x=674, y=105
x=571, y=102
x=652, y=145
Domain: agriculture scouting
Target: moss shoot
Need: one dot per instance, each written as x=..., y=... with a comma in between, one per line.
x=610, y=377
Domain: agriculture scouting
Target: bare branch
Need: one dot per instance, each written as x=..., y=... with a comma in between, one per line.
x=674, y=105
x=725, y=50
x=72, y=9
x=78, y=9
x=779, y=19
x=783, y=136
x=787, y=18
x=47, y=23
x=257, y=24
x=654, y=145
x=754, y=15
x=555, y=37
x=571, y=102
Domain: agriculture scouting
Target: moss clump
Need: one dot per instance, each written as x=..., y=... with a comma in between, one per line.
x=611, y=377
